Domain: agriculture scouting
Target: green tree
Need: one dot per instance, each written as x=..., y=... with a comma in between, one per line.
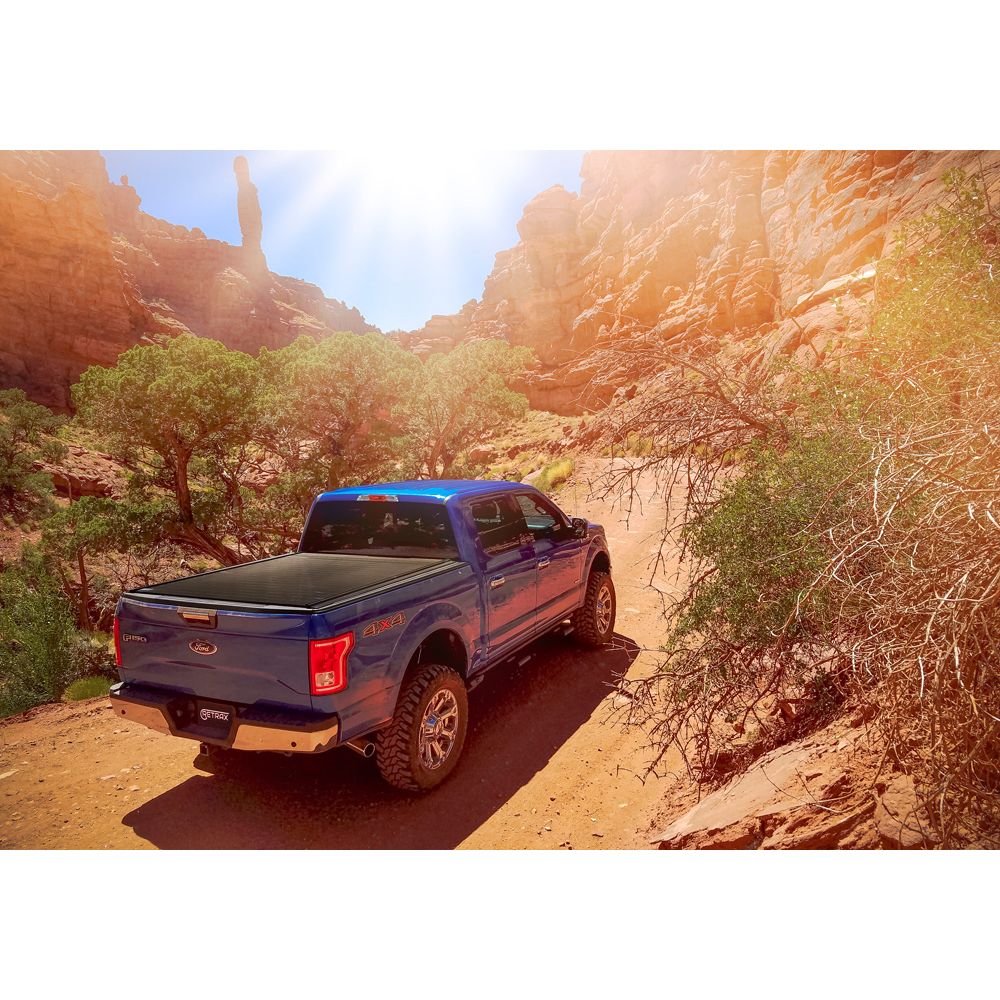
x=181, y=406
x=230, y=450
x=938, y=294
x=95, y=526
x=25, y=438
x=459, y=398
x=333, y=420
x=36, y=635
x=336, y=415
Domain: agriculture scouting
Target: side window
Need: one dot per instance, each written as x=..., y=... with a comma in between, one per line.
x=499, y=525
x=542, y=518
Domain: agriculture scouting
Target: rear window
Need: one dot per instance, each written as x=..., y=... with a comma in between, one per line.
x=381, y=528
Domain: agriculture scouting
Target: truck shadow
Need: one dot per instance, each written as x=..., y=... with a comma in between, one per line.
x=519, y=717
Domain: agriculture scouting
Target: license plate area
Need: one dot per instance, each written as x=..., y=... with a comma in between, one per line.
x=211, y=720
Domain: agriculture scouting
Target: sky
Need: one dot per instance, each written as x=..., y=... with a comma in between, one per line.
x=401, y=234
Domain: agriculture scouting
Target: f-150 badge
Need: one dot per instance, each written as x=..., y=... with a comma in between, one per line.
x=384, y=624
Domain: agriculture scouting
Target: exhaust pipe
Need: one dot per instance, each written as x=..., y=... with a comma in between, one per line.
x=361, y=745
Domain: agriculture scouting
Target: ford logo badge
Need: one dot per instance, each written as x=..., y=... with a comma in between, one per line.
x=202, y=648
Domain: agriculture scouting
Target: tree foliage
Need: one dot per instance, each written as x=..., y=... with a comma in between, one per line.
x=229, y=450
x=36, y=636
x=177, y=407
x=462, y=397
x=26, y=431
x=102, y=527
x=338, y=416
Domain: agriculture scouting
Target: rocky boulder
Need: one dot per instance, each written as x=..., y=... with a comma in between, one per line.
x=900, y=819
x=85, y=473
x=820, y=792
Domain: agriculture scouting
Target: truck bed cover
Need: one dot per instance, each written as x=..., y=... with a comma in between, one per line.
x=300, y=581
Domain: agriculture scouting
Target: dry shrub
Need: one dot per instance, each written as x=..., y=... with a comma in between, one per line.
x=842, y=531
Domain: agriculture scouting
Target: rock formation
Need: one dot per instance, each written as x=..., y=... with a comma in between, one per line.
x=82, y=472
x=829, y=790
x=248, y=209
x=85, y=274
x=662, y=247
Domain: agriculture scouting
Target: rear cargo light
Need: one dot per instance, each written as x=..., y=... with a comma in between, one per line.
x=118, y=642
x=380, y=497
x=328, y=663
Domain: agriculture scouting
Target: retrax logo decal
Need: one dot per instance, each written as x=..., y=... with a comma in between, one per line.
x=384, y=624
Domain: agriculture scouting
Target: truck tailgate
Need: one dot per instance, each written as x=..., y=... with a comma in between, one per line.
x=247, y=658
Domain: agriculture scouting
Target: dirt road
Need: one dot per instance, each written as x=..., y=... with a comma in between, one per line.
x=543, y=767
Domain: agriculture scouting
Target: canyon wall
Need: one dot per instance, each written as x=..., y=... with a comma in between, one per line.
x=659, y=248
x=85, y=274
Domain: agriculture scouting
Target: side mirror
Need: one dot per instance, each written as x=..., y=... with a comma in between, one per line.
x=579, y=526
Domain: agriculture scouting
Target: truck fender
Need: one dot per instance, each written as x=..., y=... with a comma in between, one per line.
x=597, y=551
x=429, y=620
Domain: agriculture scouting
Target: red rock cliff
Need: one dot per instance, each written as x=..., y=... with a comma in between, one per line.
x=85, y=274
x=674, y=245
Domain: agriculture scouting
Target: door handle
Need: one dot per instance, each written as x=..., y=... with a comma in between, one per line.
x=542, y=563
x=497, y=581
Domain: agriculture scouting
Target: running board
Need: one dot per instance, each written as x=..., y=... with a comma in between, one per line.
x=519, y=658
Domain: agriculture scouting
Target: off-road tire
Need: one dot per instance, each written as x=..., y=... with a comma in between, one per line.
x=587, y=628
x=397, y=746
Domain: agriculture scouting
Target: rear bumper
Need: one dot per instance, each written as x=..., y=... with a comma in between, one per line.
x=252, y=728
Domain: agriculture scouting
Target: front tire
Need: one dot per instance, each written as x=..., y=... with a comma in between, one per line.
x=594, y=622
x=422, y=744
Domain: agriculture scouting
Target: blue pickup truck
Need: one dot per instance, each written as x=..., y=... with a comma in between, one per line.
x=399, y=598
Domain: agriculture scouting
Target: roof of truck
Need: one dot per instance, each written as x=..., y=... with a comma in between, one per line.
x=425, y=489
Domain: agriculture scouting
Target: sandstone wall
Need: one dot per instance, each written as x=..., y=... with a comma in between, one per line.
x=665, y=246
x=658, y=248
x=85, y=274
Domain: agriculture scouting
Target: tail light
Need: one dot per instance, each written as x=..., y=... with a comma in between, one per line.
x=328, y=663
x=118, y=642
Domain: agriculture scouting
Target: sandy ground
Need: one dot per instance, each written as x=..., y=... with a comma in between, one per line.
x=544, y=767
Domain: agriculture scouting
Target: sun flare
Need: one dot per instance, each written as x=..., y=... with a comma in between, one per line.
x=417, y=193
x=396, y=206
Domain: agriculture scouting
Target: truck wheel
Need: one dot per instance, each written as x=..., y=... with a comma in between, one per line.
x=594, y=622
x=422, y=744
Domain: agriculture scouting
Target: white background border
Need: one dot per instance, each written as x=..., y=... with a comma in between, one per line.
x=503, y=75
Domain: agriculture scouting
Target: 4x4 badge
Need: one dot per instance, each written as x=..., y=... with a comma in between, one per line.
x=384, y=624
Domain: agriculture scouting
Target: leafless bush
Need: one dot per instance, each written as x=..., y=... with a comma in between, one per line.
x=841, y=532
